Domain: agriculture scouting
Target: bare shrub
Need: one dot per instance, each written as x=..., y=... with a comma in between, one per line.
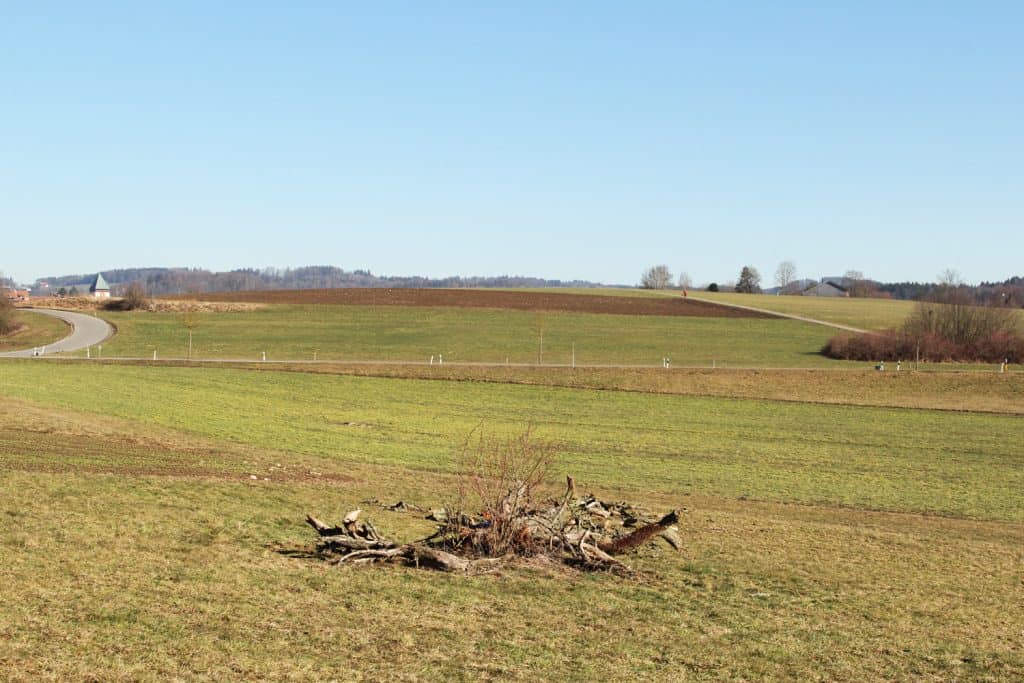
x=497, y=481
x=1001, y=345
x=134, y=299
x=895, y=345
x=955, y=319
x=7, y=324
x=948, y=326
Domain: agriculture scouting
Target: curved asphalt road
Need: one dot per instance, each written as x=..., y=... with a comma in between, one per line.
x=86, y=331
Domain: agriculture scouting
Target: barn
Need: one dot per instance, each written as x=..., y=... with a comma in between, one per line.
x=826, y=288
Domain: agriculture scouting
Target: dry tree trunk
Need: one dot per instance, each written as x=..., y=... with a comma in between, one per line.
x=641, y=535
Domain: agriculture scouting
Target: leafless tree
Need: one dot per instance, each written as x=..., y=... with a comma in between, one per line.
x=950, y=277
x=190, y=321
x=656, y=277
x=856, y=284
x=134, y=297
x=684, y=281
x=785, y=275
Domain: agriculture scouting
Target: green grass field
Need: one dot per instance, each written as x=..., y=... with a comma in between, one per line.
x=288, y=332
x=976, y=390
x=922, y=461
x=140, y=509
x=869, y=314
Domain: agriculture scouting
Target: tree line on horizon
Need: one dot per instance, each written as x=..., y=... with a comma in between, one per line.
x=169, y=281
x=1008, y=293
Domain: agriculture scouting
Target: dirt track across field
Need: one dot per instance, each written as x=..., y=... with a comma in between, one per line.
x=482, y=298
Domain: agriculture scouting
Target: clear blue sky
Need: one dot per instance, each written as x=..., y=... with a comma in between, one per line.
x=564, y=140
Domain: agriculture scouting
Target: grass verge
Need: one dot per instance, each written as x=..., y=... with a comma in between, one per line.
x=35, y=330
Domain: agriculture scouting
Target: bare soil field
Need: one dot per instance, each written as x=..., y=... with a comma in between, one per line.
x=477, y=298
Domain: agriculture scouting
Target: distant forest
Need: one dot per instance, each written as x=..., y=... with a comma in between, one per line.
x=159, y=281
x=1009, y=292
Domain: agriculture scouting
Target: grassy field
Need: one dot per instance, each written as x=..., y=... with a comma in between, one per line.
x=140, y=509
x=894, y=459
x=974, y=391
x=36, y=330
x=478, y=335
x=869, y=314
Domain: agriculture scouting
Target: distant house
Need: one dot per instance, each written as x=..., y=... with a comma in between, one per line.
x=99, y=289
x=16, y=294
x=826, y=288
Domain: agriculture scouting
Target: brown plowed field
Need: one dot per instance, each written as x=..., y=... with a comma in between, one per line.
x=483, y=298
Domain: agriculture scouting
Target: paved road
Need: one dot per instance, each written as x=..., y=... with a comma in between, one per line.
x=86, y=331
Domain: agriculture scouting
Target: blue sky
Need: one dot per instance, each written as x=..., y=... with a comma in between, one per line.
x=563, y=140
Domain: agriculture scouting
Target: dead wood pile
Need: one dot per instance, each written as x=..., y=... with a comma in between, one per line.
x=585, y=533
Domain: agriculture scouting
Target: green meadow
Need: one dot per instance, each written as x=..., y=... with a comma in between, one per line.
x=391, y=333
x=893, y=459
x=143, y=511
x=869, y=314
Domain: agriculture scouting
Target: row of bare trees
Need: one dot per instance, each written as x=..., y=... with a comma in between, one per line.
x=749, y=282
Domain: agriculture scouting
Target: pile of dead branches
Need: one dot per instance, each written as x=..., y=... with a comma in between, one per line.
x=582, y=532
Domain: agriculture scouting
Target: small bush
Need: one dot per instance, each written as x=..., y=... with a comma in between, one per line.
x=895, y=345
x=6, y=315
x=498, y=477
x=1000, y=345
x=134, y=299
